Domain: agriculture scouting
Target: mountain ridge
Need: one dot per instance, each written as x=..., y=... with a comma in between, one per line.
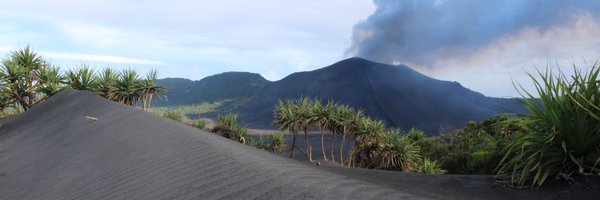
x=228, y=85
x=397, y=94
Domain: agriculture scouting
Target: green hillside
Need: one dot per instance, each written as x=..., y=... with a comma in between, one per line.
x=235, y=86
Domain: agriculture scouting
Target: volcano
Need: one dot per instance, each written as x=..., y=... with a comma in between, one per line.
x=396, y=94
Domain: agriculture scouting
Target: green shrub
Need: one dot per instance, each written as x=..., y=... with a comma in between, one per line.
x=229, y=127
x=416, y=135
x=482, y=149
x=174, y=116
x=239, y=133
x=397, y=152
x=277, y=143
x=429, y=166
x=201, y=124
x=260, y=143
x=564, y=137
x=471, y=150
x=228, y=120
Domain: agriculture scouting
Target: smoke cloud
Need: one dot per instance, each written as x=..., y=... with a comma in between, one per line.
x=420, y=32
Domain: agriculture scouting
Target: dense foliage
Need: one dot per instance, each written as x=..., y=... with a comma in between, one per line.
x=563, y=137
x=374, y=146
x=560, y=138
x=476, y=148
x=26, y=80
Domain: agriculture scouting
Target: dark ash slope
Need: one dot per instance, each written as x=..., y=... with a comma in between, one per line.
x=54, y=152
x=398, y=95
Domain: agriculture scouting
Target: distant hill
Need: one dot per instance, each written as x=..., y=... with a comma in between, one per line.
x=398, y=95
x=229, y=85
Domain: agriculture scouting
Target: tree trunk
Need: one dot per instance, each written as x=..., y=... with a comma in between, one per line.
x=310, y=155
x=144, y=101
x=323, y=143
x=150, y=97
x=31, y=95
x=306, y=144
x=342, y=146
x=293, y=145
x=331, y=145
x=21, y=100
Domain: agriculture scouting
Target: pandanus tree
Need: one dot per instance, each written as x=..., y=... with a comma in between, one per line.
x=127, y=87
x=397, y=152
x=285, y=116
x=303, y=118
x=50, y=80
x=19, y=74
x=320, y=115
x=150, y=89
x=82, y=78
x=349, y=123
x=5, y=100
x=27, y=80
x=334, y=128
x=367, y=137
x=107, y=81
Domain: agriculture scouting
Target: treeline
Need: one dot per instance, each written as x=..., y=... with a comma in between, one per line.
x=558, y=139
x=374, y=146
x=26, y=80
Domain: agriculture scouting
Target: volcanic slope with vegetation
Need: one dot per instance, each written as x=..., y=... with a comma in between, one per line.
x=26, y=80
x=559, y=139
x=238, y=86
x=398, y=95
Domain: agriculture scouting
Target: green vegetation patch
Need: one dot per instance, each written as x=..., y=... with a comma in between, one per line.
x=26, y=80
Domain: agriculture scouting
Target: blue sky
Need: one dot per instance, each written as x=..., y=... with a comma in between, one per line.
x=484, y=45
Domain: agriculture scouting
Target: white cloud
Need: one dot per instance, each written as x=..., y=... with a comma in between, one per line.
x=99, y=58
x=492, y=68
x=5, y=48
x=196, y=38
x=89, y=34
x=6, y=28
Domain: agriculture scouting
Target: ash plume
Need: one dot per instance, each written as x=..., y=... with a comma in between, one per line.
x=419, y=31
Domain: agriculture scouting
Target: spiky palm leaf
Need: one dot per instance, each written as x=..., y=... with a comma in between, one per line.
x=368, y=137
x=82, y=78
x=286, y=115
x=150, y=89
x=127, y=90
x=107, y=81
x=50, y=80
x=20, y=73
x=564, y=137
x=398, y=152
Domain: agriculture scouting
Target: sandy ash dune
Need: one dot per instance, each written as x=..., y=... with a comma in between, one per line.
x=57, y=151
x=54, y=152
